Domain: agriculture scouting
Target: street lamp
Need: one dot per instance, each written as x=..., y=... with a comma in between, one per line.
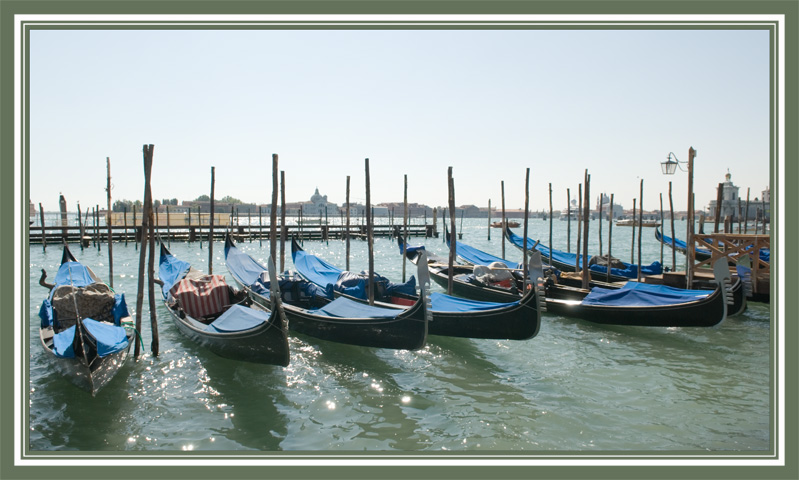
x=669, y=167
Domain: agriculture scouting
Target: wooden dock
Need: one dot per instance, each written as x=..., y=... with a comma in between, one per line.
x=192, y=233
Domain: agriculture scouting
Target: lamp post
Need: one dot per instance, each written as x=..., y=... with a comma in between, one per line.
x=669, y=167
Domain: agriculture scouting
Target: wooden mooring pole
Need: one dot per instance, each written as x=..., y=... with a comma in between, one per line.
x=610, y=234
x=405, y=224
x=108, y=223
x=504, y=220
x=369, y=237
x=579, y=234
x=211, y=228
x=526, y=221
x=44, y=233
x=586, y=220
x=148, y=163
x=671, y=215
x=568, y=220
x=452, y=241
x=284, y=229
x=640, y=226
x=273, y=213
x=347, y=231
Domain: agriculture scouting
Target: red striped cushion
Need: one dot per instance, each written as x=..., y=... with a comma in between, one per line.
x=201, y=297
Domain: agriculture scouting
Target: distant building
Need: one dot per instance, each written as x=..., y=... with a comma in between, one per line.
x=732, y=205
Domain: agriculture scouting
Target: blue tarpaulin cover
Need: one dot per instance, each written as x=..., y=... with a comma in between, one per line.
x=238, y=318
x=345, y=308
x=643, y=294
x=62, y=343
x=447, y=303
x=571, y=258
x=110, y=338
x=72, y=273
x=478, y=257
x=171, y=271
x=353, y=284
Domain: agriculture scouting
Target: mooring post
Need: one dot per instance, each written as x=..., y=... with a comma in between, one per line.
x=550, y=229
x=125, y=221
x=370, y=236
x=80, y=228
x=662, y=223
x=586, y=219
x=632, y=241
x=579, y=230
x=108, y=223
x=347, y=230
x=599, y=225
x=211, y=228
x=640, y=226
x=568, y=221
x=155, y=345
x=405, y=224
x=44, y=234
x=719, y=199
x=673, y=240
x=610, y=234
x=452, y=241
x=284, y=229
x=526, y=221
x=273, y=213
x=504, y=220
x=148, y=163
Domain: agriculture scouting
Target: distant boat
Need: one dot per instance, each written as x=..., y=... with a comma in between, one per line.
x=629, y=222
x=513, y=224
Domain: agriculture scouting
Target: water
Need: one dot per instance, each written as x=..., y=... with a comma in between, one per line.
x=576, y=386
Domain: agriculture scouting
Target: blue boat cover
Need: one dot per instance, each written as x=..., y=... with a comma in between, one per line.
x=318, y=271
x=631, y=270
x=62, y=343
x=479, y=257
x=635, y=294
x=110, y=338
x=315, y=269
x=448, y=304
x=73, y=273
x=120, y=308
x=171, y=270
x=410, y=248
x=238, y=318
x=343, y=307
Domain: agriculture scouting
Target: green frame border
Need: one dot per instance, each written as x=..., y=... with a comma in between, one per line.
x=789, y=8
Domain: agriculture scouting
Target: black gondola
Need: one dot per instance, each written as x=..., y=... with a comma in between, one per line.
x=341, y=320
x=511, y=317
x=628, y=303
x=85, y=327
x=217, y=317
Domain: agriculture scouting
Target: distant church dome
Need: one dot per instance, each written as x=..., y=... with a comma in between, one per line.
x=317, y=199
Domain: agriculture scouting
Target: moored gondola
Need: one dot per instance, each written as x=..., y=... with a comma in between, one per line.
x=85, y=327
x=507, y=317
x=315, y=313
x=214, y=315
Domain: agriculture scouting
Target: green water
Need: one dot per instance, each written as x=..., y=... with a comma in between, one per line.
x=576, y=386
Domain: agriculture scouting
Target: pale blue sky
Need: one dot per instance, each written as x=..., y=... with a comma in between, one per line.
x=488, y=103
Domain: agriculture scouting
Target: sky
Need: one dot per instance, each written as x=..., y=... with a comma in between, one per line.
x=488, y=103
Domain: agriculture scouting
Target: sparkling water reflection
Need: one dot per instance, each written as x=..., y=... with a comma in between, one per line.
x=576, y=386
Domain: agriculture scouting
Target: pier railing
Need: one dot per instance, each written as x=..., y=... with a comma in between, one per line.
x=191, y=233
x=738, y=248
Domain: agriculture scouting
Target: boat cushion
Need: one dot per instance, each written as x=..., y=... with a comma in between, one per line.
x=110, y=338
x=643, y=294
x=238, y=318
x=201, y=297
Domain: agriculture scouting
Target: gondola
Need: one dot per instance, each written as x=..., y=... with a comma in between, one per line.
x=216, y=316
x=508, y=317
x=464, y=282
x=566, y=262
x=643, y=304
x=85, y=327
x=314, y=312
x=627, y=303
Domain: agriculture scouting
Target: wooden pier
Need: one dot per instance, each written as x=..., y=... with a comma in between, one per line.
x=190, y=233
